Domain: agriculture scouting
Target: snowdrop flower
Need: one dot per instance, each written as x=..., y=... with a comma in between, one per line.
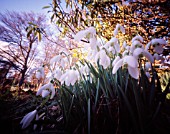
x=84, y=69
x=124, y=44
x=157, y=57
x=89, y=33
x=104, y=60
x=136, y=44
x=115, y=60
x=57, y=73
x=56, y=58
x=61, y=60
x=113, y=43
x=148, y=74
x=45, y=93
x=157, y=45
x=126, y=52
x=118, y=26
x=132, y=66
x=69, y=77
x=138, y=38
x=39, y=72
x=147, y=66
x=93, y=43
x=143, y=52
x=27, y=119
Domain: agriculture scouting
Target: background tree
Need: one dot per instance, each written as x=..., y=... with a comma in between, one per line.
x=150, y=19
x=21, y=50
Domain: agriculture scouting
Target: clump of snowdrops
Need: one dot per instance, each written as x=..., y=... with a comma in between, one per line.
x=115, y=88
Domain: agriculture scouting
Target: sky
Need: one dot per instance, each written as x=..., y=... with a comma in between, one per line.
x=24, y=5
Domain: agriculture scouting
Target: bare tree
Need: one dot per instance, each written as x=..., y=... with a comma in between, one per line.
x=21, y=50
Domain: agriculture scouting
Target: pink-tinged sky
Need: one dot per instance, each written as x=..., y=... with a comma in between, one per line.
x=24, y=5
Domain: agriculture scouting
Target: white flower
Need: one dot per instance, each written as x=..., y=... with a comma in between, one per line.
x=56, y=58
x=137, y=37
x=157, y=45
x=80, y=35
x=116, y=60
x=28, y=118
x=156, y=41
x=60, y=60
x=45, y=93
x=147, y=66
x=147, y=46
x=89, y=33
x=93, y=42
x=134, y=72
x=158, y=48
x=132, y=66
x=45, y=87
x=139, y=51
x=118, y=64
x=69, y=77
x=113, y=43
x=118, y=26
x=148, y=74
x=84, y=70
x=126, y=52
x=157, y=57
x=39, y=72
x=57, y=73
x=104, y=60
x=136, y=44
x=124, y=44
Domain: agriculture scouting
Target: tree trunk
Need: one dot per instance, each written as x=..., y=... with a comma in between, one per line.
x=22, y=76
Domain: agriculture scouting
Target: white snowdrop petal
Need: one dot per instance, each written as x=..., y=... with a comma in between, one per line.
x=122, y=29
x=117, y=47
x=134, y=72
x=117, y=66
x=158, y=49
x=42, y=88
x=137, y=37
x=27, y=119
x=137, y=52
x=80, y=35
x=147, y=66
x=55, y=59
x=148, y=56
x=160, y=41
x=148, y=74
x=147, y=46
x=131, y=61
x=124, y=44
x=93, y=43
x=52, y=91
x=115, y=32
x=137, y=43
x=115, y=60
x=45, y=93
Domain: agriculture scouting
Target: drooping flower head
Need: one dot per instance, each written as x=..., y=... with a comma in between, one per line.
x=157, y=45
x=49, y=88
x=69, y=77
x=119, y=27
x=88, y=33
x=112, y=45
x=132, y=64
x=27, y=119
x=103, y=58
